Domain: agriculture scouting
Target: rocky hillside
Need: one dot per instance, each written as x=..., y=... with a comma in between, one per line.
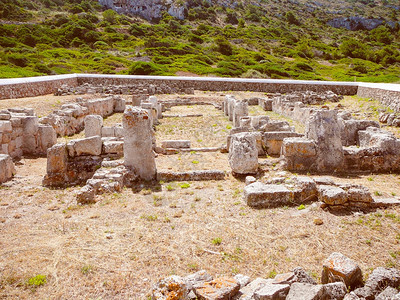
x=320, y=40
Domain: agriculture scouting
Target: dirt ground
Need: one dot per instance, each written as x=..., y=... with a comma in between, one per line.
x=120, y=246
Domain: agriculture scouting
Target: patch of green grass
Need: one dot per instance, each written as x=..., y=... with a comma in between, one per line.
x=301, y=207
x=195, y=162
x=216, y=241
x=184, y=185
x=37, y=280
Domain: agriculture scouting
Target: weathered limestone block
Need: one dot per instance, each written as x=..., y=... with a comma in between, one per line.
x=388, y=294
x=175, y=144
x=151, y=110
x=173, y=287
x=245, y=122
x=276, y=126
x=273, y=140
x=138, y=98
x=7, y=169
x=231, y=105
x=262, y=195
x=240, y=109
x=335, y=290
x=306, y=291
x=297, y=275
x=47, y=138
x=30, y=127
x=299, y=153
x=305, y=189
x=108, y=131
x=57, y=159
x=258, y=121
x=266, y=104
x=351, y=127
x=86, y=195
x=219, y=288
x=332, y=195
x=93, y=125
x=243, y=154
x=272, y=291
x=247, y=292
x=5, y=126
x=324, y=128
x=383, y=140
x=381, y=277
x=86, y=146
x=119, y=104
x=338, y=267
x=138, y=147
x=113, y=147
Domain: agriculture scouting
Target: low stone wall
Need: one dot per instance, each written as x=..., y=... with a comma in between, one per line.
x=387, y=94
x=34, y=86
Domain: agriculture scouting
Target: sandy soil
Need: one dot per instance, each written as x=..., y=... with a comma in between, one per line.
x=120, y=246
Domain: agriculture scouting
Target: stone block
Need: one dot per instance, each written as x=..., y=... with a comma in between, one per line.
x=273, y=140
x=266, y=104
x=93, y=125
x=57, y=159
x=86, y=146
x=119, y=131
x=247, y=292
x=108, y=131
x=119, y=104
x=5, y=126
x=335, y=290
x=7, y=169
x=324, y=128
x=243, y=154
x=240, y=109
x=86, y=195
x=305, y=291
x=173, y=287
x=276, y=126
x=272, y=292
x=218, y=289
x=116, y=147
x=299, y=153
x=176, y=144
x=47, y=138
x=338, y=267
x=262, y=195
x=332, y=195
x=138, y=143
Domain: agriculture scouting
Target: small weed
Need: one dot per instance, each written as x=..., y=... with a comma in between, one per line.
x=150, y=218
x=195, y=162
x=370, y=179
x=170, y=188
x=393, y=194
x=217, y=241
x=86, y=269
x=377, y=193
x=184, y=185
x=193, y=267
x=38, y=280
x=235, y=270
x=272, y=274
x=301, y=207
x=368, y=242
x=237, y=203
x=197, y=199
x=228, y=126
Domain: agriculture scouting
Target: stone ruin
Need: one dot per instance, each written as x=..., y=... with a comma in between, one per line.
x=341, y=278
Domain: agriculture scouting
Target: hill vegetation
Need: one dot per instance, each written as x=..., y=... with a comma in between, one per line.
x=273, y=39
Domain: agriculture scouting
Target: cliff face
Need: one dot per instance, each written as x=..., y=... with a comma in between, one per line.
x=148, y=9
x=153, y=9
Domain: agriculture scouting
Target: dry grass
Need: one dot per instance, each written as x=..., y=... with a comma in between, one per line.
x=120, y=246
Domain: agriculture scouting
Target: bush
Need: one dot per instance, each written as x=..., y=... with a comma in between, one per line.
x=303, y=66
x=143, y=68
x=223, y=46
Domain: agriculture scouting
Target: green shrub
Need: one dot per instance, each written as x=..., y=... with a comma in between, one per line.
x=303, y=66
x=143, y=68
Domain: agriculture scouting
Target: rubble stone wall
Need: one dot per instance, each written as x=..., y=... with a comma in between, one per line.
x=36, y=86
x=387, y=94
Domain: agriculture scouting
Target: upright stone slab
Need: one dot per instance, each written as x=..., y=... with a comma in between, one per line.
x=324, y=128
x=243, y=153
x=7, y=169
x=93, y=125
x=30, y=127
x=47, y=138
x=231, y=104
x=240, y=109
x=138, y=143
